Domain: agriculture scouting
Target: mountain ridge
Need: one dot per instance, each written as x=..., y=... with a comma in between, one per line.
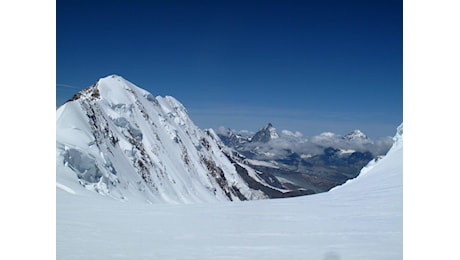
x=119, y=140
x=318, y=163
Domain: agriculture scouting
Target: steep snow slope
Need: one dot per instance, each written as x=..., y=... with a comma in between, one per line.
x=362, y=219
x=120, y=141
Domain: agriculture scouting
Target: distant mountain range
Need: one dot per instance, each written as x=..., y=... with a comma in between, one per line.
x=119, y=140
x=292, y=161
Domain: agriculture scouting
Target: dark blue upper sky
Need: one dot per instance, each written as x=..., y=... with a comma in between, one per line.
x=311, y=66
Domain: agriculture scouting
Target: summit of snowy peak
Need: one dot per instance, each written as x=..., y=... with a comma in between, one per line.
x=114, y=81
x=117, y=90
x=265, y=134
x=113, y=89
x=355, y=135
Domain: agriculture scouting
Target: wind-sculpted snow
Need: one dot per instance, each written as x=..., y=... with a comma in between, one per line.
x=121, y=141
x=361, y=219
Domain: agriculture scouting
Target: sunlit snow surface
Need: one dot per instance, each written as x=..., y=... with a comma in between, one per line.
x=360, y=220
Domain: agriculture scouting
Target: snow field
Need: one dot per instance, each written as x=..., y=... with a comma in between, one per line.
x=361, y=219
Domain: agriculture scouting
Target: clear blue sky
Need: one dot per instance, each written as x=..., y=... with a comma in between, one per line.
x=310, y=66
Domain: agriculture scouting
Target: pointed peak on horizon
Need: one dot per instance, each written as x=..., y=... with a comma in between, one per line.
x=265, y=134
x=355, y=135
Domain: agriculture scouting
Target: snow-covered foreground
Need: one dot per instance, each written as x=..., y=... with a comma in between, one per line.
x=360, y=220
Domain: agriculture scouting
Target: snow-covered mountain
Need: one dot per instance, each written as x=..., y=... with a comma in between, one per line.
x=265, y=134
x=117, y=139
x=361, y=219
x=268, y=137
x=357, y=136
